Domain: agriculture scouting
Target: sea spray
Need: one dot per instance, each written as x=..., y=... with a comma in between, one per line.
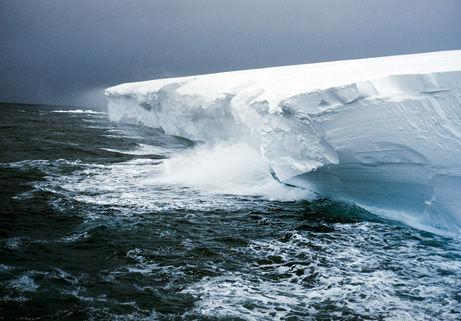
x=227, y=169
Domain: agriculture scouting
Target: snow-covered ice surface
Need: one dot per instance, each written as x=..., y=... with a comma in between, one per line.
x=384, y=133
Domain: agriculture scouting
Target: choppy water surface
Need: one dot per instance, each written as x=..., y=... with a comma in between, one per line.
x=117, y=222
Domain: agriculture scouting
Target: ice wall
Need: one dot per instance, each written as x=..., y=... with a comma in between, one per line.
x=384, y=133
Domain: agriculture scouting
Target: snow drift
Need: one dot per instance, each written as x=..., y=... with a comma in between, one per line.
x=384, y=133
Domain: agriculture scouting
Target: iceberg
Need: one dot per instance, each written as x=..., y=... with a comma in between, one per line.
x=383, y=133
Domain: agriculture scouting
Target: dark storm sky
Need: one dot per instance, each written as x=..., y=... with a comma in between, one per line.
x=68, y=51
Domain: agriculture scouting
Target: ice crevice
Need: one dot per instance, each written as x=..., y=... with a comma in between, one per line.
x=384, y=133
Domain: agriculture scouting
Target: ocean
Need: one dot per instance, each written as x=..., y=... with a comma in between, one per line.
x=105, y=221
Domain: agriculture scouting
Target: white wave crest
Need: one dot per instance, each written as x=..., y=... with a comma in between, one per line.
x=79, y=111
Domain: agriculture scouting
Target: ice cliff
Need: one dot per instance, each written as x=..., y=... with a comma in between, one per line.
x=384, y=133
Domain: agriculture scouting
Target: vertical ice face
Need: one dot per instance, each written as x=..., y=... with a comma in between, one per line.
x=384, y=133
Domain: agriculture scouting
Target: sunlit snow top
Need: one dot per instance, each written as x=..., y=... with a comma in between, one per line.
x=276, y=83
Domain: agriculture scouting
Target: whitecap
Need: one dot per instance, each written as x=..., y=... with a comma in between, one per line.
x=79, y=111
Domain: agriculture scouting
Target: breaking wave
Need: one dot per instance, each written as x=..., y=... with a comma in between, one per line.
x=227, y=169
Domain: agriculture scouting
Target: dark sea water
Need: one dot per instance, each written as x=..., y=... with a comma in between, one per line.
x=92, y=227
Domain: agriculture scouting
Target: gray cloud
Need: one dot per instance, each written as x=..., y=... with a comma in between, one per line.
x=66, y=52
